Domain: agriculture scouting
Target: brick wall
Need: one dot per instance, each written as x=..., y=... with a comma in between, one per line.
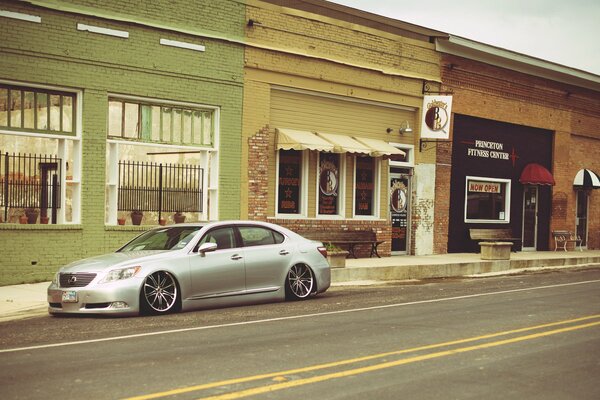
x=573, y=113
x=55, y=53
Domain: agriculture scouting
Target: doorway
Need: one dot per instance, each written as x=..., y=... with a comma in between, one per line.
x=400, y=181
x=530, y=217
x=582, y=216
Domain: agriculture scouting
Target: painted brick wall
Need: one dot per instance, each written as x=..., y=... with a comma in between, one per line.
x=573, y=113
x=55, y=53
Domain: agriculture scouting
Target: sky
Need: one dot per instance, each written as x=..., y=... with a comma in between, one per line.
x=566, y=32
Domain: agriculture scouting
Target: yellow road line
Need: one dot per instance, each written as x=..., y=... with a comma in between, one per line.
x=351, y=361
x=377, y=367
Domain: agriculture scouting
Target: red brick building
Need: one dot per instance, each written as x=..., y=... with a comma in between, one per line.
x=511, y=111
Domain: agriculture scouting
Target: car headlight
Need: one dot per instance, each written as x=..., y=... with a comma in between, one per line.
x=120, y=274
x=56, y=278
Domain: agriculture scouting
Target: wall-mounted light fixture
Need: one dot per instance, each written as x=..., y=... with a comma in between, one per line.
x=252, y=22
x=405, y=128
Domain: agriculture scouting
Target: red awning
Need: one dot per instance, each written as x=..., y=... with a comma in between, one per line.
x=535, y=174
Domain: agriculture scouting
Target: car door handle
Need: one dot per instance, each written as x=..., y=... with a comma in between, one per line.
x=284, y=253
x=236, y=257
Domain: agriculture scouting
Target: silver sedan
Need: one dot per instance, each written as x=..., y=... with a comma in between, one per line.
x=193, y=266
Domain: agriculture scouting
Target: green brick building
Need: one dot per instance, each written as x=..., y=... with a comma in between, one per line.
x=98, y=100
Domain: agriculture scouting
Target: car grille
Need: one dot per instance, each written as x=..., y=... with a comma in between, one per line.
x=76, y=280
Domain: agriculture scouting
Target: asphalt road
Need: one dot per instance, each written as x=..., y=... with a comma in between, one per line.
x=530, y=336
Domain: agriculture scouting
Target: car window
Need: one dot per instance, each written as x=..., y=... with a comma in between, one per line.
x=223, y=237
x=259, y=236
x=174, y=238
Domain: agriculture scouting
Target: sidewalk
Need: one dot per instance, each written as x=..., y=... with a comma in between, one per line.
x=29, y=300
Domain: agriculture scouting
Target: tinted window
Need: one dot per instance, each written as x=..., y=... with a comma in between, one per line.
x=223, y=237
x=162, y=239
x=259, y=236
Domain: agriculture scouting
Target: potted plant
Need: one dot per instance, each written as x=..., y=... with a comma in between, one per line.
x=162, y=221
x=179, y=217
x=336, y=256
x=23, y=219
x=32, y=215
x=136, y=217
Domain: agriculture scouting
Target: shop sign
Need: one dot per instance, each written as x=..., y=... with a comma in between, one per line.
x=365, y=186
x=435, y=123
x=288, y=201
x=329, y=184
x=484, y=187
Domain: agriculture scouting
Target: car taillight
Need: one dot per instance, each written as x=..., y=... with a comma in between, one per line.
x=322, y=250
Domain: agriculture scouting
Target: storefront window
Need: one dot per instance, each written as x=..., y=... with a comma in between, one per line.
x=487, y=200
x=290, y=182
x=329, y=184
x=364, y=188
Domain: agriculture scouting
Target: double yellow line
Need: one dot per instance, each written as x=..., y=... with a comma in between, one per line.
x=573, y=325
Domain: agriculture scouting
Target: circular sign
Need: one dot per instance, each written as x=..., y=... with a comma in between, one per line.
x=328, y=182
x=436, y=118
x=398, y=200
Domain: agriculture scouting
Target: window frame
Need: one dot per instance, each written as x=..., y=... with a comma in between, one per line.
x=303, y=197
x=507, y=201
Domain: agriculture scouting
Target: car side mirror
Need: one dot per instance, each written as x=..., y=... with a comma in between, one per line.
x=207, y=248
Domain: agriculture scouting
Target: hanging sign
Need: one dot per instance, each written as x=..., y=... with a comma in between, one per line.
x=435, y=122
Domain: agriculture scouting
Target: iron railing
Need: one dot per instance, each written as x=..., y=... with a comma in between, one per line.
x=145, y=186
x=30, y=181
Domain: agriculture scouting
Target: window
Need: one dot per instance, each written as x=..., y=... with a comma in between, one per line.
x=223, y=237
x=258, y=236
x=365, y=172
x=487, y=200
x=329, y=185
x=40, y=153
x=39, y=110
x=162, y=159
x=159, y=123
x=289, y=193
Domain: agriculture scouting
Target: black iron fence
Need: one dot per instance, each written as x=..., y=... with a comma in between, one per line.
x=30, y=181
x=146, y=186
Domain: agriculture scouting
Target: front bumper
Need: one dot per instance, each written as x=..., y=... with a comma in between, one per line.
x=116, y=298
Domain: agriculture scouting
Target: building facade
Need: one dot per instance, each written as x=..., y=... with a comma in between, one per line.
x=112, y=109
x=331, y=99
x=515, y=114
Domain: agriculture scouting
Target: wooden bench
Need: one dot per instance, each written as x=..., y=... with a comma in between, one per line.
x=563, y=238
x=494, y=235
x=347, y=239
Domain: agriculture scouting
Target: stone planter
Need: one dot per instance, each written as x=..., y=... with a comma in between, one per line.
x=136, y=217
x=337, y=258
x=179, y=218
x=495, y=250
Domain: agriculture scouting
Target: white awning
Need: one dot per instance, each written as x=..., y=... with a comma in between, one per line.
x=345, y=144
x=379, y=147
x=290, y=139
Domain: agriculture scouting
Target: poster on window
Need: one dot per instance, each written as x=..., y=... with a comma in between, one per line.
x=329, y=183
x=365, y=186
x=399, y=213
x=290, y=162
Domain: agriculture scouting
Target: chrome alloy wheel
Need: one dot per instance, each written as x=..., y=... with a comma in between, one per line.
x=160, y=292
x=300, y=282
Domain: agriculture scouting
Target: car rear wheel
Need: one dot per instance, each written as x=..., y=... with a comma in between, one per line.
x=160, y=293
x=299, y=282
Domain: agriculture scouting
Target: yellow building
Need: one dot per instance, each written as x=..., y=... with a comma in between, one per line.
x=331, y=111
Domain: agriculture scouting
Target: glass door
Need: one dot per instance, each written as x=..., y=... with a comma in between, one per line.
x=582, y=216
x=530, y=212
x=400, y=210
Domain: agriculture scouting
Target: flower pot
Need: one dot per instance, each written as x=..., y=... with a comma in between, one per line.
x=136, y=217
x=32, y=216
x=44, y=220
x=121, y=221
x=23, y=219
x=179, y=218
x=162, y=221
x=337, y=258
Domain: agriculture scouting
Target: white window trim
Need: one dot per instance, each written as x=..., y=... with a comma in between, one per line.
x=376, y=193
x=20, y=16
x=182, y=45
x=62, y=144
x=507, y=204
x=341, y=194
x=409, y=149
x=303, y=192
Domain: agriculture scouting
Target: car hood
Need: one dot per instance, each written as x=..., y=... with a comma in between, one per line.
x=112, y=260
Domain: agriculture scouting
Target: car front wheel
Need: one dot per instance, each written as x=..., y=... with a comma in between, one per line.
x=160, y=294
x=299, y=282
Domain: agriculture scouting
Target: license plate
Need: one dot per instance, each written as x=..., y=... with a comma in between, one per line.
x=69, y=296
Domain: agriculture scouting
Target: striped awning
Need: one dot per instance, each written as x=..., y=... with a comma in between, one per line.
x=290, y=139
x=345, y=144
x=586, y=179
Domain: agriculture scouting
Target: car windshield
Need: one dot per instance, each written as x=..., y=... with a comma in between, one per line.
x=173, y=238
